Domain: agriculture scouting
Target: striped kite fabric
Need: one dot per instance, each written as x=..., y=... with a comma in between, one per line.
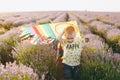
x=45, y=33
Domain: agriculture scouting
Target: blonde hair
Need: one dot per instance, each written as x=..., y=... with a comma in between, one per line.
x=70, y=29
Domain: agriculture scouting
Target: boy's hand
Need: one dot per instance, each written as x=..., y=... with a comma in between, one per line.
x=86, y=39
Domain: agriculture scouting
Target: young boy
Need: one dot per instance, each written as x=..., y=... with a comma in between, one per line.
x=72, y=51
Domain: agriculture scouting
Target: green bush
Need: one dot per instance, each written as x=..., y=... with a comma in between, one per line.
x=2, y=29
x=6, y=47
x=13, y=71
x=112, y=37
x=40, y=57
x=8, y=25
x=95, y=46
x=99, y=28
x=102, y=66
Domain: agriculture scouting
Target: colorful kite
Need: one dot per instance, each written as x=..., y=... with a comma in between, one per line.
x=46, y=33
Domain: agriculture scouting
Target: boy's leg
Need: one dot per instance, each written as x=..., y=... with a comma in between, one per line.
x=76, y=72
x=67, y=72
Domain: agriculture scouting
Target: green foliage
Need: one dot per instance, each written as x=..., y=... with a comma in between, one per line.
x=18, y=24
x=2, y=29
x=40, y=57
x=8, y=25
x=99, y=67
x=6, y=46
x=95, y=46
x=13, y=71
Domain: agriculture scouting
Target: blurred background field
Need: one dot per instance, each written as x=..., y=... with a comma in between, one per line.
x=100, y=58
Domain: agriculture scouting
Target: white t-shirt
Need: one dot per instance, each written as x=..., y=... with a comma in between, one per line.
x=72, y=52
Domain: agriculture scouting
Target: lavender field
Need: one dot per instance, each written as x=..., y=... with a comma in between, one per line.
x=100, y=58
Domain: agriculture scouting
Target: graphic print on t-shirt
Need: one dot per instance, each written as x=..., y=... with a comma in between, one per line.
x=72, y=46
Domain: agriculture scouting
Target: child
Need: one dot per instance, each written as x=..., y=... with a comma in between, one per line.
x=72, y=51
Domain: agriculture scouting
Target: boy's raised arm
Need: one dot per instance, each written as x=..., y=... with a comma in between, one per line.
x=59, y=38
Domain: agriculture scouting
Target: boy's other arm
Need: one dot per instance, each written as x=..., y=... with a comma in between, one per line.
x=59, y=38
